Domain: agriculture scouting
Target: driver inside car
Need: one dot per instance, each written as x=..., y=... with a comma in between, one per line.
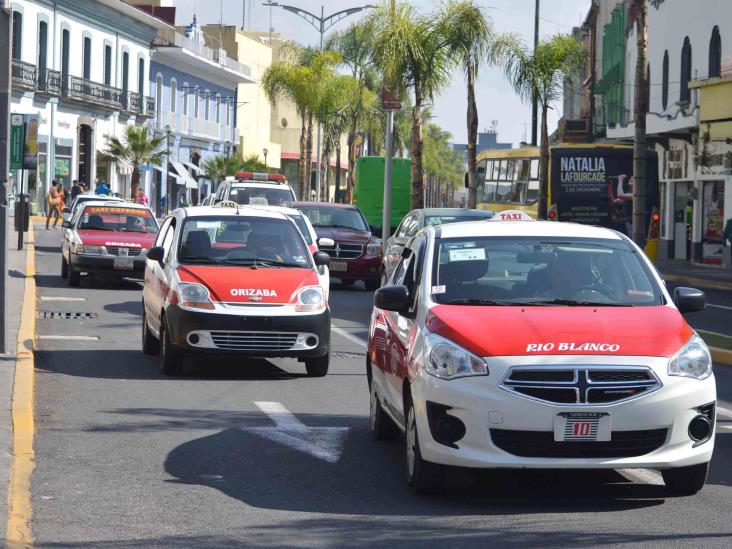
x=568, y=275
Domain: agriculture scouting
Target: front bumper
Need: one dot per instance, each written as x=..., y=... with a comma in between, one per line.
x=492, y=415
x=366, y=267
x=104, y=264
x=243, y=335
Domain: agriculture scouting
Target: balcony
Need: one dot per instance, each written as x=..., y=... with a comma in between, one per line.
x=24, y=75
x=87, y=91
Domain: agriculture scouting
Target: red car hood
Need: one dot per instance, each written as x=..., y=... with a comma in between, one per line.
x=339, y=234
x=92, y=237
x=514, y=331
x=241, y=284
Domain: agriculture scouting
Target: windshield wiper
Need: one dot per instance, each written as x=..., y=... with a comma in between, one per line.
x=200, y=259
x=474, y=301
x=575, y=303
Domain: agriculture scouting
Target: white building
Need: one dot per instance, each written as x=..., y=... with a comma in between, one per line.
x=83, y=67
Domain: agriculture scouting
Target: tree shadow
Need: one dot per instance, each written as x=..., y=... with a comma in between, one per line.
x=126, y=307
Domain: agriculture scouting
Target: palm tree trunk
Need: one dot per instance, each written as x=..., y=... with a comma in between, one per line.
x=135, y=186
x=337, y=197
x=302, y=163
x=416, y=163
x=472, y=138
x=543, y=164
x=640, y=108
x=308, y=157
x=351, y=159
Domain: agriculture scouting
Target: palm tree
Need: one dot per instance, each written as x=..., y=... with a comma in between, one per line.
x=539, y=74
x=411, y=51
x=137, y=149
x=219, y=167
x=468, y=33
x=640, y=109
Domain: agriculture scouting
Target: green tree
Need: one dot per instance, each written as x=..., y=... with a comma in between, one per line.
x=443, y=167
x=468, y=32
x=539, y=73
x=411, y=51
x=137, y=148
x=218, y=168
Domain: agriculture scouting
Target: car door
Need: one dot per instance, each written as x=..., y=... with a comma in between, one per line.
x=396, y=243
x=156, y=284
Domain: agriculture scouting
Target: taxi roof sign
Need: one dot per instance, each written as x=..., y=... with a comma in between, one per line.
x=511, y=215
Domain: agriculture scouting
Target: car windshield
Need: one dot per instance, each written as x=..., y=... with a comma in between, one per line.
x=260, y=196
x=111, y=218
x=243, y=240
x=303, y=226
x=442, y=219
x=541, y=271
x=346, y=218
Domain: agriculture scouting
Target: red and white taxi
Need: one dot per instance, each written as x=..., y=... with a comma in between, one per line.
x=535, y=344
x=238, y=281
x=107, y=238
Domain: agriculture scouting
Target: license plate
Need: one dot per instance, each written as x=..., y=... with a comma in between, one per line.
x=338, y=266
x=124, y=263
x=582, y=426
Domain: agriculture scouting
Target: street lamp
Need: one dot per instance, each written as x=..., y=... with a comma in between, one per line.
x=265, y=151
x=168, y=190
x=321, y=24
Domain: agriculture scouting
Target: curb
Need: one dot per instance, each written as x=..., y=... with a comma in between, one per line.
x=18, y=533
x=721, y=356
x=700, y=282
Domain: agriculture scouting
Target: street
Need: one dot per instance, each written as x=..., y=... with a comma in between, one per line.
x=256, y=454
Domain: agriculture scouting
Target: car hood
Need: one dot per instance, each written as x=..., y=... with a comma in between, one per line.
x=339, y=234
x=249, y=285
x=515, y=331
x=91, y=237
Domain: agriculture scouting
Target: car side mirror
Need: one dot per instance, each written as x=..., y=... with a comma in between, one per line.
x=326, y=242
x=156, y=254
x=392, y=298
x=690, y=300
x=67, y=210
x=321, y=258
x=66, y=224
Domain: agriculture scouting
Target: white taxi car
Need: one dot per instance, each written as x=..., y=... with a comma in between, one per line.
x=534, y=344
x=235, y=281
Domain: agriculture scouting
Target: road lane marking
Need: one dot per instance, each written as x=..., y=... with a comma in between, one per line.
x=59, y=298
x=20, y=510
x=719, y=306
x=724, y=411
x=724, y=427
x=350, y=337
x=69, y=337
x=324, y=443
x=642, y=476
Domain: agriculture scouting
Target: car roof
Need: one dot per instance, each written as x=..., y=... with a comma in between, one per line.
x=323, y=205
x=117, y=204
x=97, y=197
x=281, y=209
x=217, y=211
x=258, y=184
x=457, y=212
x=524, y=228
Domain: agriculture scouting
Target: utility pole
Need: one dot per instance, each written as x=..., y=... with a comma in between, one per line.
x=6, y=32
x=535, y=100
x=640, y=108
x=388, y=153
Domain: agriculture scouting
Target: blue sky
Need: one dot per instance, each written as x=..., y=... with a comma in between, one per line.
x=496, y=100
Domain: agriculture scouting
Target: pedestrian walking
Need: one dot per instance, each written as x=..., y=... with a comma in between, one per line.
x=76, y=189
x=52, y=204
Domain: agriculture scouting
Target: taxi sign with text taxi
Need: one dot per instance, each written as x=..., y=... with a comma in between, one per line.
x=511, y=215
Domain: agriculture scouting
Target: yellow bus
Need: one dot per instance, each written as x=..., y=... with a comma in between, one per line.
x=508, y=179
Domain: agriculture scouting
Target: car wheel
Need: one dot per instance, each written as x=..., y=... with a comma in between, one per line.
x=74, y=277
x=372, y=285
x=171, y=361
x=64, y=268
x=685, y=481
x=150, y=345
x=422, y=476
x=382, y=426
x=317, y=367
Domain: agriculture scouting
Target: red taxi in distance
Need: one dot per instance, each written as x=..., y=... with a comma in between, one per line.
x=234, y=281
x=107, y=238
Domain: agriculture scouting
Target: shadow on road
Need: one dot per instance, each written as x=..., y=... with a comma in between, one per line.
x=127, y=307
x=87, y=283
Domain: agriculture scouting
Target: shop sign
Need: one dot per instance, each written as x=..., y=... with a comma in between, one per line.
x=17, y=139
x=30, y=154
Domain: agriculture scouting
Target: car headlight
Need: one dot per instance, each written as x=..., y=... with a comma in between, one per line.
x=446, y=360
x=91, y=250
x=194, y=296
x=693, y=360
x=374, y=247
x=310, y=299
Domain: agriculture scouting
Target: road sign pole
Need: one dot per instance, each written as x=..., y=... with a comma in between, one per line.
x=6, y=31
x=386, y=225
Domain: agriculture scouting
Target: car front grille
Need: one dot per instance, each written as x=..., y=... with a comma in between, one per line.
x=580, y=385
x=254, y=341
x=132, y=252
x=343, y=251
x=541, y=444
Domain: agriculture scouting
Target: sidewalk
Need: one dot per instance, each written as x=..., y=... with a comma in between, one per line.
x=696, y=274
x=16, y=261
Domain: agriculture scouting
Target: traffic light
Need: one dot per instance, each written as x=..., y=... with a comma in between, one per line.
x=654, y=228
x=552, y=215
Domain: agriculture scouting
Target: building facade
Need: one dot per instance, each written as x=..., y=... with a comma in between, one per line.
x=85, y=78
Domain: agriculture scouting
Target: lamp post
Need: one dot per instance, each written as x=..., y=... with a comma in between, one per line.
x=265, y=151
x=168, y=190
x=321, y=24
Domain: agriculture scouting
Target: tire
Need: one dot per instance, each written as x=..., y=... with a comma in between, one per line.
x=685, y=481
x=171, y=361
x=150, y=344
x=423, y=477
x=74, y=277
x=372, y=285
x=317, y=367
x=382, y=426
x=64, y=268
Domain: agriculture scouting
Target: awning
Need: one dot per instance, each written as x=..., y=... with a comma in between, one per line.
x=171, y=173
x=186, y=178
x=193, y=167
x=124, y=168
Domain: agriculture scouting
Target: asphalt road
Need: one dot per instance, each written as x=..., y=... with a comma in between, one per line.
x=126, y=457
x=716, y=317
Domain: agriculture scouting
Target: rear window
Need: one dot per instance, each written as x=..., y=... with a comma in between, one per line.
x=303, y=227
x=442, y=219
x=344, y=218
x=258, y=196
x=110, y=218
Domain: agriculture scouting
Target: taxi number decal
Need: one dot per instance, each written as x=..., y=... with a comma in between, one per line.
x=253, y=292
x=118, y=211
x=597, y=347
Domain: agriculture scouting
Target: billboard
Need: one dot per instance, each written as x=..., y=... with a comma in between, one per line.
x=30, y=154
